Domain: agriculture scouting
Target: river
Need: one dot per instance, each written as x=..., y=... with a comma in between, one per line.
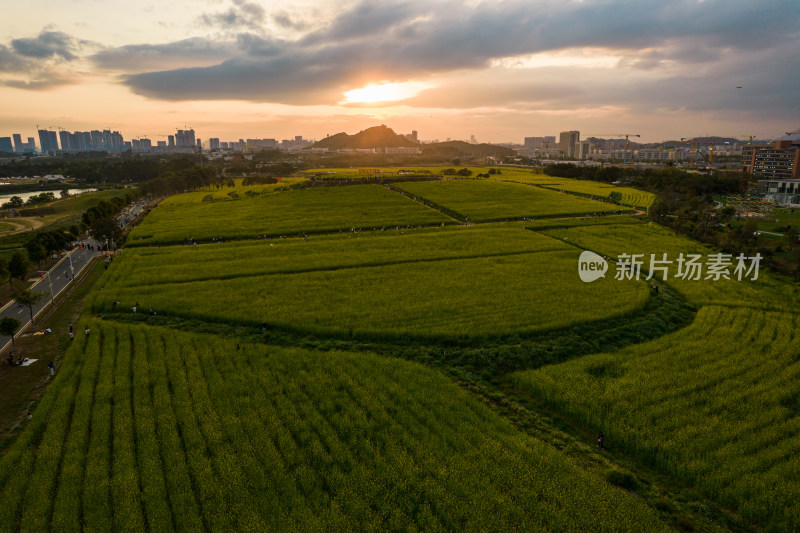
x=25, y=195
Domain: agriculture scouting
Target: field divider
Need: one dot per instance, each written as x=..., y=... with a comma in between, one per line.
x=455, y=215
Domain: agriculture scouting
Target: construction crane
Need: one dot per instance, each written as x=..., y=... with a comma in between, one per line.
x=749, y=138
x=626, y=135
x=696, y=142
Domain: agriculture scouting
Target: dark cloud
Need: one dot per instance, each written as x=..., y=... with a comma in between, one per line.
x=242, y=14
x=188, y=52
x=10, y=61
x=48, y=44
x=398, y=41
x=284, y=20
x=41, y=62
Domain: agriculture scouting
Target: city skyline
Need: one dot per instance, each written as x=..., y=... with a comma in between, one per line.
x=501, y=71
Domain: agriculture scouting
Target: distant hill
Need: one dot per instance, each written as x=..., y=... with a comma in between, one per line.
x=382, y=136
x=376, y=137
x=461, y=149
x=715, y=140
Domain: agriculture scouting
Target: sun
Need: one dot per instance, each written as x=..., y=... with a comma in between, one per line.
x=384, y=92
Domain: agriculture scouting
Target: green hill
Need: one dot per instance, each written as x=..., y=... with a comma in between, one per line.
x=376, y=137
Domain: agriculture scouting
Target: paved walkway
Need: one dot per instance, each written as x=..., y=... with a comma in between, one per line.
x=59, y=277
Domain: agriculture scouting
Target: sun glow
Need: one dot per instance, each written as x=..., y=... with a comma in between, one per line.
x=384, y=92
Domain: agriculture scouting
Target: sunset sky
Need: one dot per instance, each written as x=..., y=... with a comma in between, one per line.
x=499, y=70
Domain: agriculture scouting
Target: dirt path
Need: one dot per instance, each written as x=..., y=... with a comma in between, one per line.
x=20, y=227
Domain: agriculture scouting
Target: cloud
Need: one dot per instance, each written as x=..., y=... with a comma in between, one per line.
x=48, y=44
x=677, y=44
x=196, y=51
x=40, y=81
x=242, y=14
x=285, y=20
x=11, y=61
x=41, y=62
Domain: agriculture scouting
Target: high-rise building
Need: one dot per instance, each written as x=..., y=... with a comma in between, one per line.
x=533, y=142
x=147, y=146
x=6, y=146
x=171, y=141
x=18, y=147
x=48, y=140
x=213, y=143
x=64, y=137
x=583, y=149
x=780, y=160
x=567, y=141
x=31, y=146
x=185, y=141
x=778, y=167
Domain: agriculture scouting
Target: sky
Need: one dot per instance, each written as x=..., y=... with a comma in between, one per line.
x=498, y=70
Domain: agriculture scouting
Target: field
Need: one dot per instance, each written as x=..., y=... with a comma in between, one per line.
x=628, y=195
x=224, y=192
x=486, y=201
x=151, y=429
x=594, y=189
x=766, y=292
x=419, y=374
x=501, y=292
x=288, y=212
x=714, y=404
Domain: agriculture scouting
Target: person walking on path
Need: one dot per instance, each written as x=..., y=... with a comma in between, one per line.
x=601, y=440
x=52, y=368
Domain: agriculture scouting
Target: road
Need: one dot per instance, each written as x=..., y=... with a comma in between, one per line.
x=61, y=276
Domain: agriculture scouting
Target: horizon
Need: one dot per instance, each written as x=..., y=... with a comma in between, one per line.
x=500, y=71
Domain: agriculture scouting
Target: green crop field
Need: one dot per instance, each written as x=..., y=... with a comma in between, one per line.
x=287, y=212
x=650, y=239
x=225, y=193
x=152, y=429
x=414, y=373
x=175, y=264
x=715, y=404
x=483, y=201
x=627, y=195
x=490, y=281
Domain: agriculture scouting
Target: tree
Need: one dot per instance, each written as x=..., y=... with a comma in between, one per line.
x=727, y=213
x=36, y=251
x=14, y=202
x=18, y=267
x=106, y=229
x=4, y=273
x=8, y=327
x=27, y=298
